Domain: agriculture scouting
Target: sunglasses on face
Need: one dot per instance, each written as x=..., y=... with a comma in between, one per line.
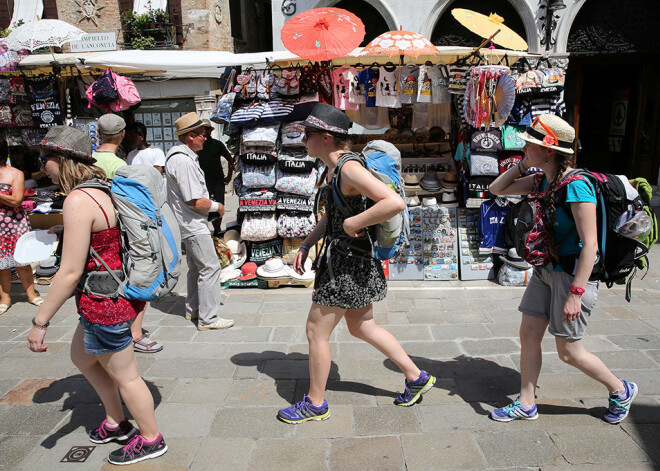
x=309, y=132
x=44, y=158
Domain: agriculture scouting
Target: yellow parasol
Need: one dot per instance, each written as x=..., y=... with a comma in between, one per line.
x=487, y=26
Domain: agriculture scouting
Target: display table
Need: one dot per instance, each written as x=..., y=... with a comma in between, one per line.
x=45, y=221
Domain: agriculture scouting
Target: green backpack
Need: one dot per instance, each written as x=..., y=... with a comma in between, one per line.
x=646, y=192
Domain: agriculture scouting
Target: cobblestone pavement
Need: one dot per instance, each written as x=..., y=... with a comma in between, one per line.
x=217, y=393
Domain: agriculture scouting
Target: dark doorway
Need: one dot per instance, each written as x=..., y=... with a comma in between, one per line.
x=374, y=23
x=612, y=89
x=449, y=32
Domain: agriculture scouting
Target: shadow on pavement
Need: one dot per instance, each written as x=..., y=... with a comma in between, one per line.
x=82, y=400
x=475, y=380
x=295, y=366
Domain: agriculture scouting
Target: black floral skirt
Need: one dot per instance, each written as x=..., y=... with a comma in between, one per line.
x=357, y=282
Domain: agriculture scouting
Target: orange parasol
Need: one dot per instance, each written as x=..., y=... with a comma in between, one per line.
x=400, y=43
x=322, y=34
x=487, y=26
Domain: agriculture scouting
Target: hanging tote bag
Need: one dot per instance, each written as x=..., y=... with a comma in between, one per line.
x=276, y=110
x=259, y=226
x=222, y=111
x=247, y=114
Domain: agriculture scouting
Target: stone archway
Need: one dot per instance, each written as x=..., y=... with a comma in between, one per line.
x=376, y=15
x=518, y=15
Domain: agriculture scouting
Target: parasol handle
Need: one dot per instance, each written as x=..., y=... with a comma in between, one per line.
x=485, y=41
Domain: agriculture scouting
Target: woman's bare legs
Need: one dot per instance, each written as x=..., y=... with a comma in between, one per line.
x=361, y=325
x=26, y=276
x=100, y=380
x=5, y=287
x=321, y=321
x=123, y=368
x=532, y=329
x=573, y=353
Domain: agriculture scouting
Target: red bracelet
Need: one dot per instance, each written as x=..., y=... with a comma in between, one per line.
x=577, y=290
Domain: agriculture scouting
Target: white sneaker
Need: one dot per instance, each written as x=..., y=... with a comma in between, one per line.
x=218, y=324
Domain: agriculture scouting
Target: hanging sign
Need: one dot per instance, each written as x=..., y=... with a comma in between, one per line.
x=95, y=42
x=619, y=112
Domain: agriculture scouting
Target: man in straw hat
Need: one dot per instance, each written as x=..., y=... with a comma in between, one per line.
x=190, y=201
x=560, y=295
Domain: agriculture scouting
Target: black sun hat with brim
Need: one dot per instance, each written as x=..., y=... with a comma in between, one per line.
x=328, y=118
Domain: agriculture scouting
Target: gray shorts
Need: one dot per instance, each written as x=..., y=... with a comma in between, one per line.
x=545, y=297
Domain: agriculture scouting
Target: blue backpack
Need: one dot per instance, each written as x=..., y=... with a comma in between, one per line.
x=383, y=160
x=151, y=240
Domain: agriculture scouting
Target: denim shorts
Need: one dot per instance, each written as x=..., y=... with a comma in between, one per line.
x=545, y=296
x=106, y=338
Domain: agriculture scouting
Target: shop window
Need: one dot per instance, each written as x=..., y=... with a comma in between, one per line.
x=27, y=10
x=143, y=6
x=159, y=115
x=374, y=23
x=236, y=19
x=449, y=32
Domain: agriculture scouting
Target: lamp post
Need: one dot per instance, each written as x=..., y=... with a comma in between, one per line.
x=550, y=24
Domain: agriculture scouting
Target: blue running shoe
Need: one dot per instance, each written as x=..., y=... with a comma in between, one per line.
x=515, y=411
x=620, y=403
x=414, y=389
x=303, y=411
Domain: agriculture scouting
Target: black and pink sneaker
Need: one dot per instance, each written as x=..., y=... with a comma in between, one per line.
x=138, y=449
x=119, y=433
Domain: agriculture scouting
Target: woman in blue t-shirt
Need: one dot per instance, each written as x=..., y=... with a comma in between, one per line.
x=556, y=299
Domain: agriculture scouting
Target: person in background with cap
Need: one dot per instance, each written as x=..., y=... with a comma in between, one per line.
x=348, y=280
x=112, y=132
x=559, y=296
x=209, y=161
x=143, y=152
x=100, y=344
x=190, y=201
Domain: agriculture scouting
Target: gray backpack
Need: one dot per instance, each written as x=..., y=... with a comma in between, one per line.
x=151, y=241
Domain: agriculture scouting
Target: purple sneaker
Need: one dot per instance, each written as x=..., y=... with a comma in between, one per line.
x=414, y=389
x=515, y=411
x=303, y=411
x=620, y=403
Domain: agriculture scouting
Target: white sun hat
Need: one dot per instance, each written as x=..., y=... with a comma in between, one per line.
x=34, y=246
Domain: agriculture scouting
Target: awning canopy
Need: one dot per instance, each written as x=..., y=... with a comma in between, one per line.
x=197, y=64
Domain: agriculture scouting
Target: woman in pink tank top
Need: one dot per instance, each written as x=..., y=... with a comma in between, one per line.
x=102, y=344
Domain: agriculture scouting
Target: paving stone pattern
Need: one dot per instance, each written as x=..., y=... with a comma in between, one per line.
x=217, y=393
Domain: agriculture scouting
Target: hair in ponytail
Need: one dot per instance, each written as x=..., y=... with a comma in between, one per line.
x=563, y=161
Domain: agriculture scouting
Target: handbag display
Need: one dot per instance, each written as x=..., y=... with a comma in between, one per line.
x=222, y=111
x=258, y=176
x=257, y=201
x=296, y=183
x=295, y=225
x=483, y=165
x=295, y=203
x=296, y=165
x=288, y=84
x=264, y=85
x=486, y=141
x=246, y=86
x=276, y=110
x=293, y=134
x=259, y=227
x=247, y=114
x=262, y=135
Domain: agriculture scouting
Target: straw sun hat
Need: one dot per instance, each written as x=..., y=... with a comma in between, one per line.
x=187, y=123
x=548, y=130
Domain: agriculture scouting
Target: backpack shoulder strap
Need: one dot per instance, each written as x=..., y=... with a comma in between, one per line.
x=339, y=198
x=167, y=159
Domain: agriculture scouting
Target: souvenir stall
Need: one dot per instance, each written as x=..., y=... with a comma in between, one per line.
x=424, y=105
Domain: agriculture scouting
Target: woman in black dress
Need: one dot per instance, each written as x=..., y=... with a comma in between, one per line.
x=346, y=284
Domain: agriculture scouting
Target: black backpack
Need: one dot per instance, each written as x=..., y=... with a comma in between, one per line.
x=618, y=254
